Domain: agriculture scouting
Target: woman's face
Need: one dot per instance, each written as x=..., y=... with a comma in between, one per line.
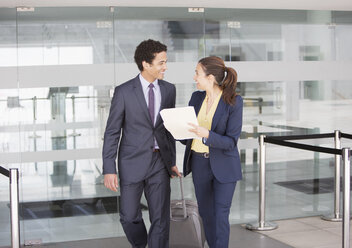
x=201, y=79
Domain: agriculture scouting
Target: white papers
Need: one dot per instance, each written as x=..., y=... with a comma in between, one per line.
x=176, y=122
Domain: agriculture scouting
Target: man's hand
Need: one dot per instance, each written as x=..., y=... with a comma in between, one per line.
x=110, y=181
x=174, y=170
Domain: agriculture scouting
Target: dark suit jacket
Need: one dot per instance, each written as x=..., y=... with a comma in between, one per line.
x=130, y=131
x=223, y=136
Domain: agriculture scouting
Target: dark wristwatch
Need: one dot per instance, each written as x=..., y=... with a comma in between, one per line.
x=204, y=140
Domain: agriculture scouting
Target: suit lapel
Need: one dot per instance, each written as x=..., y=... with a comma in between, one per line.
x=199, y=103
x=220, y=109
x=140, y=97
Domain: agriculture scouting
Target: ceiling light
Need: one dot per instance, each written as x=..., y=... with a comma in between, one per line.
x=25, y=9
x=196, y=10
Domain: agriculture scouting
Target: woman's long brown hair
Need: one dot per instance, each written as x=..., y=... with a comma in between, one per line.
x=226, y=77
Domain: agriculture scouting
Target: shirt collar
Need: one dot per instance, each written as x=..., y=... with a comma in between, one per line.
x=145, y=83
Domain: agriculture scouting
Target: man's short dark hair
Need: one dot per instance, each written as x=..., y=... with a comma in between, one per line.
x=146, y=51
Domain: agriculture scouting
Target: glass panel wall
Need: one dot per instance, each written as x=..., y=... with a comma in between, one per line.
x=10, y=109
x=60, y=67
x=61, y=125
x=180, y=30
x=267, y=35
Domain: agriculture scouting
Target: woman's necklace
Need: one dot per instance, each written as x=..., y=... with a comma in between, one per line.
x=210, y=102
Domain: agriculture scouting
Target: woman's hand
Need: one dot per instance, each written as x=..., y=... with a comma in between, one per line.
x=199, y=131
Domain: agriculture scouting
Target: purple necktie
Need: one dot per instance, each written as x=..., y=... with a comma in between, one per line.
x=151, y=102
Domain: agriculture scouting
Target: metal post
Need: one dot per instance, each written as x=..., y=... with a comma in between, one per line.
x=14, y=199
x=262, y=182
x=260, y=104
x=74, y=134
x=346, y=198
x=183, y=199
x=262, y=225
x=336, y=216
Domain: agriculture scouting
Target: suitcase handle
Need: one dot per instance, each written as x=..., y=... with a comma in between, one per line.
x=183, y=203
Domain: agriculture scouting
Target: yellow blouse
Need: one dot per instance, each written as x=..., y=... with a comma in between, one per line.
x=205, y=120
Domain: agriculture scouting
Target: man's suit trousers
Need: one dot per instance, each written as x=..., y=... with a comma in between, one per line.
x=156, y=187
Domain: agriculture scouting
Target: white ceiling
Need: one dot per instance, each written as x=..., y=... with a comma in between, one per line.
x=345, y=5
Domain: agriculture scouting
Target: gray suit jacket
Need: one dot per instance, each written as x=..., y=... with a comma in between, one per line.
x=130, y=131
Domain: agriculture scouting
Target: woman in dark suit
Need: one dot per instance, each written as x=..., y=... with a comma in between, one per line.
x=213, y=158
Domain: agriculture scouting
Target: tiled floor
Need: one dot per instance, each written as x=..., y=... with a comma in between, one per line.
x=240, y=238
x=311, y=232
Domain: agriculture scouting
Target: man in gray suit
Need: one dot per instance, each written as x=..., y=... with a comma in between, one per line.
x=146, y=150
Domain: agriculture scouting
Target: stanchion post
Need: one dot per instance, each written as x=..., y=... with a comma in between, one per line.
x=14, y=205
x=262, y=225
x=346, y=198
x=262, y=182
x=336, y=216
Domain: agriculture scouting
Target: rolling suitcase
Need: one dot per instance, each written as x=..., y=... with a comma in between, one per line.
x=186, y=227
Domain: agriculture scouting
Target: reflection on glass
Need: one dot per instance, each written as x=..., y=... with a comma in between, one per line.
x=57, y=130
x=180, y=30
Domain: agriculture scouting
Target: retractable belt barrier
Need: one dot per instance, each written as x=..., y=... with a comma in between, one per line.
x=303, y=146
x=263, y=225
x=12, y=174
x=4, y=171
